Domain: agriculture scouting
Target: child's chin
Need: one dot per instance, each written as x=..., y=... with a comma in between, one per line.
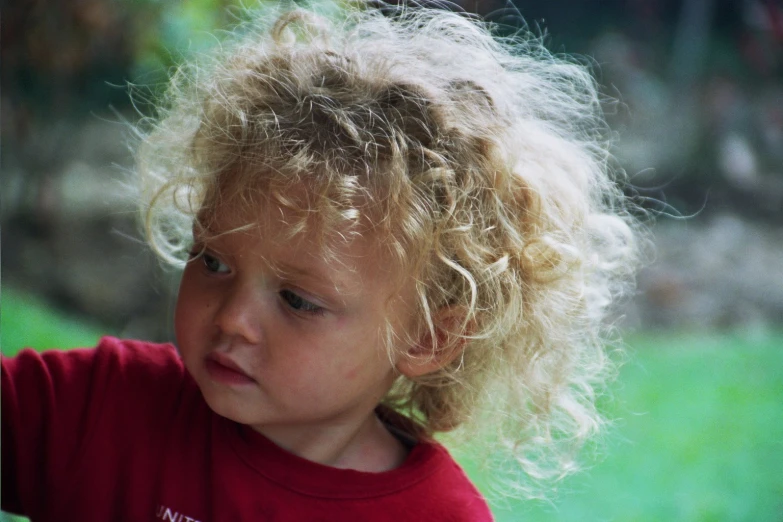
x=232, y=408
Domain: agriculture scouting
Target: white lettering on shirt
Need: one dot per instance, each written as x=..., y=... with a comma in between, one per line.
x=166, y=513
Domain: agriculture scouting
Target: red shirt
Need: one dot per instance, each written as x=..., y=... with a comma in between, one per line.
x=121, y=432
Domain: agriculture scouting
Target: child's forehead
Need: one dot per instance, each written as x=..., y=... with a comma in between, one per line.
x=282, y=229
x=275, y=222
x=293, y=206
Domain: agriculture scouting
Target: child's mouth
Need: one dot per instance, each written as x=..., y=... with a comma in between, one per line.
x=222, y=369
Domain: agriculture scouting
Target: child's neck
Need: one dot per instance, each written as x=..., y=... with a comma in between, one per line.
x=368, y=447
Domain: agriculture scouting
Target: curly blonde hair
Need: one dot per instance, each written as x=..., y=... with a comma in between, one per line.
x=482, y=164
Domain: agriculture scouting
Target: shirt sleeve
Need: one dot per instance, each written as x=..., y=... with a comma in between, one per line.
x=53, y=406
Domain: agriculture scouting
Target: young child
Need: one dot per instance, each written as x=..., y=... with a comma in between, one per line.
x=391, y=226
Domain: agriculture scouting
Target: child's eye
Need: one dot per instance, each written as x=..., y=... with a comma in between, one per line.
x=211, y=263
x=298, y=303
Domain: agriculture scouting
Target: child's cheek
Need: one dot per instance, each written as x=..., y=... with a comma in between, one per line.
x=340, y=323
x=350, y=375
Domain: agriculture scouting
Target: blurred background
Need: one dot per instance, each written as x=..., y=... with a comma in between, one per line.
x=699, y=121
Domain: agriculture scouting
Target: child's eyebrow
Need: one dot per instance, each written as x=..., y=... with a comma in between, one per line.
x=210, y=232
x=293, y=270
x=321, y=277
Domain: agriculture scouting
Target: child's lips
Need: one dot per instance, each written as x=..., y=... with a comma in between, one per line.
x=223, y=369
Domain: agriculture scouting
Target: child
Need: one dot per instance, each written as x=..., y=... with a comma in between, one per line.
x=392, y=227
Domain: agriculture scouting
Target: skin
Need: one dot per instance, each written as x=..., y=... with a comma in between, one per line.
x=289, y=344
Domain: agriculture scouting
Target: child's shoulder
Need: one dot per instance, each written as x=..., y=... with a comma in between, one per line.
x=112, y=366
x=129, y=356
x=139, y=367
x=136, y=354
x=450, y=493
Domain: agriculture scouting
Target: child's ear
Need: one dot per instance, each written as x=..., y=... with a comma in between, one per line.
x=431, y=354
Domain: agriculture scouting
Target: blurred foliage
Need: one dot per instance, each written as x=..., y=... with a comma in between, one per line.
x=186, y=28
x=699, y=80
x=177, y=30
x=140, y=40
x=62, y=58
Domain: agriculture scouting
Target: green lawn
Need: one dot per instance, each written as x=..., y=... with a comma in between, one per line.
x=27, y=322
x=698, y=433
x=698, y=437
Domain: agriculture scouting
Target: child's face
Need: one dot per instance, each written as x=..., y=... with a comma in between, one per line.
x=281, y=340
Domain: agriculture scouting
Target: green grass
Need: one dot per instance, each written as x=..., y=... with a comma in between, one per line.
x=698, y=437
x=27, y=322
x=698, y=433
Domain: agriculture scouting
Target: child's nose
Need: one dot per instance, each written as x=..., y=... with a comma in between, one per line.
x=240, y=313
